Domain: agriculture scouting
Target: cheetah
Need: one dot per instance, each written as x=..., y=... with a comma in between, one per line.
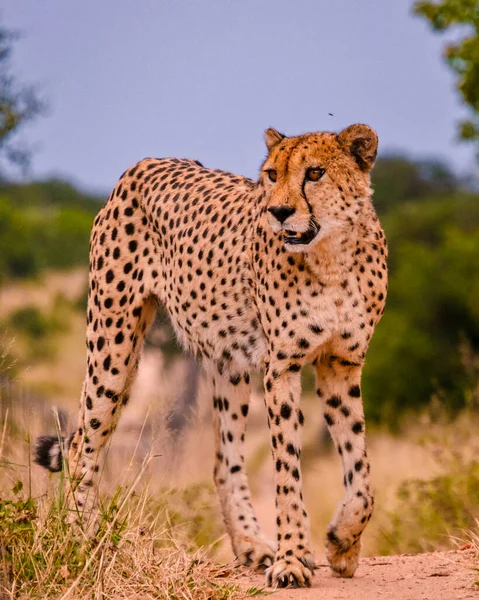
x=265, y=275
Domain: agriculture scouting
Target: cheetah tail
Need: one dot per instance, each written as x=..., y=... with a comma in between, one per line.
x=49, y=451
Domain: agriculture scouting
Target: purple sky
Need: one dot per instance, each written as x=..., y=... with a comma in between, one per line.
x=204, y=78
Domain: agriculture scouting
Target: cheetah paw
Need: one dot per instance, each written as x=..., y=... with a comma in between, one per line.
x=258, y=554
x=342, y=554
x=292, y=572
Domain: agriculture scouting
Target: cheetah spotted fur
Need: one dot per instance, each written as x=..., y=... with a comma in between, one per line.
x=268, y=275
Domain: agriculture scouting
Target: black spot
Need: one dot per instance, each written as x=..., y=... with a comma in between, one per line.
x=357, y=427
x=95, y=423
x=235, y=379
x=333, y=538
x=329, y=419
x=355, y=391
x=334, y=402
x=285, y=411
x=300, y=417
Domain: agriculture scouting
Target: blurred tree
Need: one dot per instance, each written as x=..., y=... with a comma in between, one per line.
x=432, y=311
x=398, y=179
x=17, y=254
x=462, y=54
x=19, y=104
x=43, y=225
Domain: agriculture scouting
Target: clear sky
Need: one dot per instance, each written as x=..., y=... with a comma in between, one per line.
x=127, y=79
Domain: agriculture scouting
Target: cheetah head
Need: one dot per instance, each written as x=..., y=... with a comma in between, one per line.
x=317, y=184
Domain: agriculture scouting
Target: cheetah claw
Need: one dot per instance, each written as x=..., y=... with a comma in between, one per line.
x=260, y=556
x=295, y=572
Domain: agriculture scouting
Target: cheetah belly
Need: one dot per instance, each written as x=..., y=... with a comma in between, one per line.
x=221, y=325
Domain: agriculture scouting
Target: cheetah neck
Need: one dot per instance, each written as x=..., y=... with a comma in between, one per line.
x=332, y=258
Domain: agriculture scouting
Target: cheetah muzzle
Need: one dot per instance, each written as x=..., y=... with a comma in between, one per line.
x=265, y=275
x=302, y=238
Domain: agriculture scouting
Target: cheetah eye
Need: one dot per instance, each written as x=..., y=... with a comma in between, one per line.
x=272, y=175
x=314, y=173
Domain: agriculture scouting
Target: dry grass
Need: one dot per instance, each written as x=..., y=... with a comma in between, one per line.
x=136, y=553
x=141, y=544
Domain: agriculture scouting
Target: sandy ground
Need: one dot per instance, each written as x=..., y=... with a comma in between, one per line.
x=438, y=575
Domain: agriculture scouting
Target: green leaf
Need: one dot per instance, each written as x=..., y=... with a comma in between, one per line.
x=18, y=487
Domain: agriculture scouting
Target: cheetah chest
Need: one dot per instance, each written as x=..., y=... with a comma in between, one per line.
x=312, y=318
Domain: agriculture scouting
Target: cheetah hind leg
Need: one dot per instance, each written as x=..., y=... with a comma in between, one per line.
x=112, y=362
x=230, y=410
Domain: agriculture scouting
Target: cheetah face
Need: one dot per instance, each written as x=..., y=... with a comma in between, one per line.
x=316, y=183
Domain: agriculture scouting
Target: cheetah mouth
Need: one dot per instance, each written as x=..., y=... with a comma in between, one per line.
x=301, y=238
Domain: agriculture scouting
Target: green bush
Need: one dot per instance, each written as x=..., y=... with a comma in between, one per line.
x=43, y=225
x=431, y=311
x=31, y=321
x=432, y=512
x=38, y=329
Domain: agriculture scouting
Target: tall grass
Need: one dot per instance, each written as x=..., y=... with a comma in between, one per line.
x=137, y=550
x=145, y=543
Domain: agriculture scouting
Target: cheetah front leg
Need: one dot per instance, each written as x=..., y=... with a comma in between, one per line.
x=338, y=387
x=230, y=410
x=294, y=561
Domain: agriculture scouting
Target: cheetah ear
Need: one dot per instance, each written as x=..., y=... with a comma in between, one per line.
x=361, y=142
x=272, y=137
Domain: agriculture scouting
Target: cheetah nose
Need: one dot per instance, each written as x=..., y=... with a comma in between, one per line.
x=281, y=213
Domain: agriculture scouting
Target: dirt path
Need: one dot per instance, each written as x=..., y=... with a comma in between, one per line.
x=435, y=576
